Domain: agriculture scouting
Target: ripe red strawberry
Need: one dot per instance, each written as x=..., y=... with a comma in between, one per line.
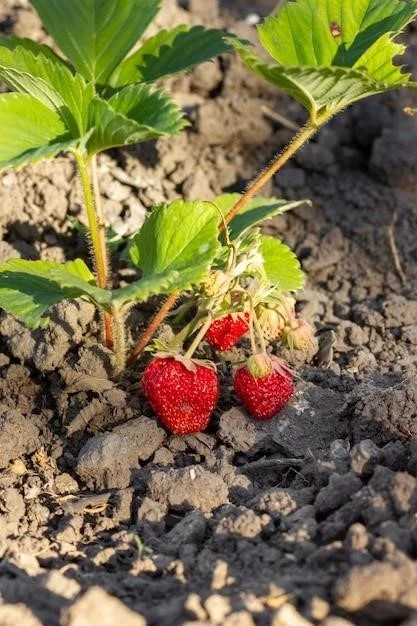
x=264, y=385
x=227, y=330
x=182, y=393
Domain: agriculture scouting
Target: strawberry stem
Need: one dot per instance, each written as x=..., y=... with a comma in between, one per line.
x=259, y=333
x=202, y=332
x=251, y=332
x=280, y=160
x=97, y=233
x=153, y=326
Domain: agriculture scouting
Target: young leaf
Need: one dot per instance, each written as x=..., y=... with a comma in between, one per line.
x=30, y=131
x=134, y=114
x=330, y=53
x=181, y=237
x=96, y=35
x=29, y=288
x=170, y=52
x=281, y=265
x=254, y=212
x=34, y=69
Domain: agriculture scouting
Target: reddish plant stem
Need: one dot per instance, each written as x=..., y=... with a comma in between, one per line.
x=298, y=141
x=153, y=326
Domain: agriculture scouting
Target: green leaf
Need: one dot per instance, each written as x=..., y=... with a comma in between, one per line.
x=149, y=107
x=281, y=265
x=135, y=114
x=96, y=35
x=170, y=52
x=30, y=131
x=321, y=91
x=176, y=245
x=141, y=290
x=254, y=212
x=331, y=32
x=331, y=53
x=29, y=288
x=34, y=69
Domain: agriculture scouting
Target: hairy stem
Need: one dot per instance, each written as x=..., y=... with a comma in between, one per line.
x=119, y=338
x=97, y=236
x=254, y=188
x=298, y=141
x=153, y=326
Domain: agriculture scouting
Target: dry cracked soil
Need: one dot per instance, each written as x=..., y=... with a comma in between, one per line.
x=310, y=519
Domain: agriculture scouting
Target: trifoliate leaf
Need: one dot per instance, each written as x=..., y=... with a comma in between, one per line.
x=331, y=53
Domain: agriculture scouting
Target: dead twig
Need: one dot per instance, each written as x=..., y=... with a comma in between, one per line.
x=277, y=117
x=87, y=504
x=394, y=249
x=266, y=464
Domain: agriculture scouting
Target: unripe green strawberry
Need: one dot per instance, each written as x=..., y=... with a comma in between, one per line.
x=182, y=392
x=298, y=334
x=264, y=385
x=273, y=318
x=227, y=330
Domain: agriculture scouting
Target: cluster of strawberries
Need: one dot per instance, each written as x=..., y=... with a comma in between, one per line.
x=184, y=392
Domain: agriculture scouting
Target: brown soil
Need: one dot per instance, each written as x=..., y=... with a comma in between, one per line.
x=308, y=519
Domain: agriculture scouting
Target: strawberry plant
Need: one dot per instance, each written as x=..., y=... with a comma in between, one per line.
x=232, y=280
x=327, y=55
x=97, y=97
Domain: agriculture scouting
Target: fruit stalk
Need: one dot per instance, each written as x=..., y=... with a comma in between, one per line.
x=202, y=332
x=97, y=236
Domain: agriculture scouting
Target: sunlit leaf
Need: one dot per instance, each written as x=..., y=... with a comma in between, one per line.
x=254, y=212
x=170, y=52
x=96, y=35
x=30, y=131
x=34, y=69
x=135, y=114
x=29, y=288
x=176, y=245
x=331, y=53
x=281, y=265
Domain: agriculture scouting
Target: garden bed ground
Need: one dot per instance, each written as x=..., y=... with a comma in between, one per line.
x=313, y=514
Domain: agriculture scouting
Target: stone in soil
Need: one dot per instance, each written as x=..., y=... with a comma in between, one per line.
x=107, y=461
x=18, y=435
